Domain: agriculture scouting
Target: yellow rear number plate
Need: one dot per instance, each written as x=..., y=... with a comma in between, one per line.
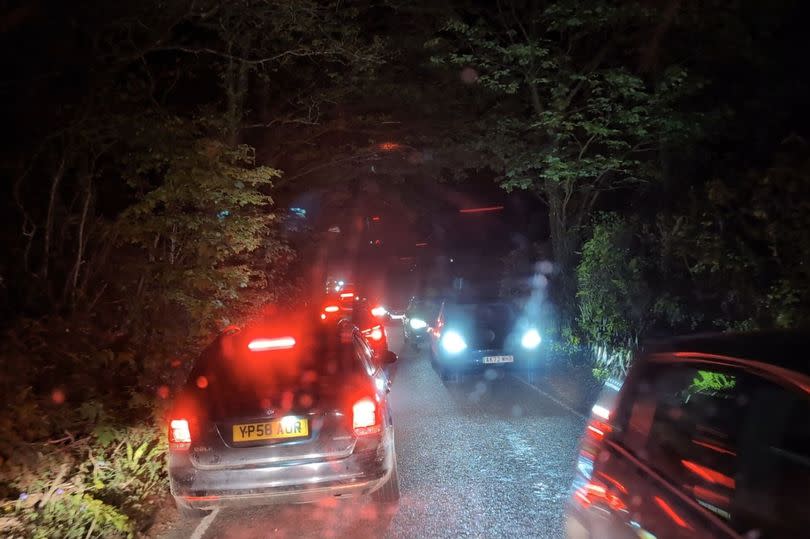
x=287, y=427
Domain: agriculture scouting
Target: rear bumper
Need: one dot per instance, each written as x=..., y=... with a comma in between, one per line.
x=360, y=473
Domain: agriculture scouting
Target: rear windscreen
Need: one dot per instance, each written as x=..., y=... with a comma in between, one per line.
x=229, y=362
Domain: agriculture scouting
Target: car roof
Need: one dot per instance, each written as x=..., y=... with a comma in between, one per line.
x=466, y=302
x=785, y=349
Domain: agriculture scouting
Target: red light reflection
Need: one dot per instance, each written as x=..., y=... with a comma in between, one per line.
x=480, y=210
x=708, y=474
x=676, y=518
x=713, y=447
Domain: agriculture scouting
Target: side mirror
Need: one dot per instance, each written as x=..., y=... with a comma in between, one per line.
x=388, y=357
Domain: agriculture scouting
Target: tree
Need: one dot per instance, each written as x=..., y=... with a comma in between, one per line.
x=563, y=113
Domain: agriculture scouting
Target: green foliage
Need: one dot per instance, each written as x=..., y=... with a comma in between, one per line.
x=561, y=112
x=732, y=260
x=614, y=297
x=205, y=223
x=743, y=245
x=711, y=382
x=71, y=464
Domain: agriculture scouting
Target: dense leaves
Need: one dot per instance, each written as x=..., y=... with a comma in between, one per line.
x=563, y=113
x=140, y=219
x=733, y=256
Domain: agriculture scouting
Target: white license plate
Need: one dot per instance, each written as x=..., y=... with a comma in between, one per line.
x=499, y=359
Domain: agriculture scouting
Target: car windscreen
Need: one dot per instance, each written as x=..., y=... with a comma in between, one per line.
x=489, y=314
x=423, y=308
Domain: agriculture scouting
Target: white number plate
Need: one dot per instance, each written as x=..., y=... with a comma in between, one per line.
x=499, y=359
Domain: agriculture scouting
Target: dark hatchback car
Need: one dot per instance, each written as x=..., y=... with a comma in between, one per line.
x=291, y=415
x=471, y=337
x=708, y=436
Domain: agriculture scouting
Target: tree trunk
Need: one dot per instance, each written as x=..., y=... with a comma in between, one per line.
x=564, y=240
x=46, y=249
x=74, y=278
x=236, y=87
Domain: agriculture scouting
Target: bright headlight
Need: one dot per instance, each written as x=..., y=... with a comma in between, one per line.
x=531, y=339
x=453, y=343
x=418, y=323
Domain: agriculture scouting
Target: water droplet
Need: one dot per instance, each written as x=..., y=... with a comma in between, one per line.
x=163, y=392
x=202, y=382
x=58, y=396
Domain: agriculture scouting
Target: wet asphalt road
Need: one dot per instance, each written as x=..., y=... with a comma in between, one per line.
x=478, y=458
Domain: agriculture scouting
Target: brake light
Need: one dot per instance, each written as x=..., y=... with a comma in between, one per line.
x=331, y=309
x=365, y=417
x=378, y=311
x=347, y=295
x=179, y=434
x=263, y=345
x=376, y=334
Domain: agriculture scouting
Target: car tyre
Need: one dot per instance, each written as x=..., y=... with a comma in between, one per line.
x=190, y=513
x=389, y=492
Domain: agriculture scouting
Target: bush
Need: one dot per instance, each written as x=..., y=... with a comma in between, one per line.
x=81, y=454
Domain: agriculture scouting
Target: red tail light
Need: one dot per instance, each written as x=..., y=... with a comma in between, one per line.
x=331, y=309
x=365, y=417
x=376, y=334
x=179, y=434
x=346, y=295
x=378, y=311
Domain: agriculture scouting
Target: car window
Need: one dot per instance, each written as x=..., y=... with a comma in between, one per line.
x=227, y=363
x=734, y=441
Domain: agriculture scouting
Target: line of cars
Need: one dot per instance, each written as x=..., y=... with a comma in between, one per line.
x=289, y=410
x=707, y=436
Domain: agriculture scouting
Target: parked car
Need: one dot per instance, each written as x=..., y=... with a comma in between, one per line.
x=283, y=414
x=708, y=436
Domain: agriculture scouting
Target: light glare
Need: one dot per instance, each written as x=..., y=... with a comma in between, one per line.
x=417, y=323
x=531, y=339
x=453, y=342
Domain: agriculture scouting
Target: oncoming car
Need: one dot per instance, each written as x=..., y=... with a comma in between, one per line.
x=419, y=314
x=283, y=416
x=470, y=337
x=707, y=437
